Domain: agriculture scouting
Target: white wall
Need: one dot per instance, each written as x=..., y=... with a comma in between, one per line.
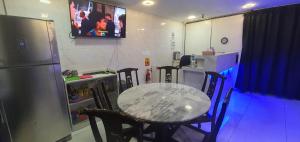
x=1, y=8
x=92, y=54
x=230, y=27
x=198, y=35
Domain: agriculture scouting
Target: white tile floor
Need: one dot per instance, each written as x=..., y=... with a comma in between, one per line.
x=86, y=135
x=249, y=118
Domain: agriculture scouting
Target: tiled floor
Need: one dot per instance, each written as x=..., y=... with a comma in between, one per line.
x=250, y=118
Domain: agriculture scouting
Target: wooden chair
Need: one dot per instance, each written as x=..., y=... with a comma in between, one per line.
x=185, y=61
x=168, y=75
x=128, y=78
x=101, y=97
x=214, y=78
x=113, y=122
x=112, y=119
x=211, y=136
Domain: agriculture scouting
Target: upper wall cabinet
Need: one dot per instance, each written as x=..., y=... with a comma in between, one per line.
x=200, y=36
x=197, y=37
x=230, y=27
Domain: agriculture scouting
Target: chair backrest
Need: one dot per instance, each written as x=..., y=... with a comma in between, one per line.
x=128, y=78
x=112, y=122
x=168, y=75
x=185, y=61
x=101, y=97
x=215, y=130
x=214, y=78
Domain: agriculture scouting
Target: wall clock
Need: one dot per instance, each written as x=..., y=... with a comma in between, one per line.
x=224, y=40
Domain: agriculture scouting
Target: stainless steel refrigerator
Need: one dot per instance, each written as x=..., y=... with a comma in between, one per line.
x=33, y=104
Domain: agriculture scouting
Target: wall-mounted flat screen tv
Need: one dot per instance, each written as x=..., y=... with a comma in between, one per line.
x=94, y=19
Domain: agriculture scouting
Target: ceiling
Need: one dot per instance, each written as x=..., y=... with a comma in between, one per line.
x=179, y=9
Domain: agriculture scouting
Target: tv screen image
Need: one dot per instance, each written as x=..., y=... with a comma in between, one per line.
x=93, y=19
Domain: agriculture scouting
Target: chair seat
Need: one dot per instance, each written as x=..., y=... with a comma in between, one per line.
x=156, y=129
x=150, y=128
x=211, y=135
x=203, y=118
x=185, y=134
x=129, y=133
x=196, y=124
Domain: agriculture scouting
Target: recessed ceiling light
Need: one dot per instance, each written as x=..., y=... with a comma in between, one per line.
x=45, y=1
x=191, y=17
x=249, y=5
x=163, y=23
x=44, y=15
x=141, y=29
x=148, y=2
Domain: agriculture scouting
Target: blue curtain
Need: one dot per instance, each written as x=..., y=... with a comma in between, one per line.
x=270, y=61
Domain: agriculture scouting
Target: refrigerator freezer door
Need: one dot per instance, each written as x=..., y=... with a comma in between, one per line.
x=23, y=41
x=35, y=103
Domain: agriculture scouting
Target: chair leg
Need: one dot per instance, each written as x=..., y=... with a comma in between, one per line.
x=199, y=125
x=140, y=133
x=148, y=139
x=150, y=129
x=173, y=129
x=162, y=133
x=207, y=138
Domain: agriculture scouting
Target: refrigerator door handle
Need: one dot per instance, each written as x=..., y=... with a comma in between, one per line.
x=1, y=114
x=4, y=121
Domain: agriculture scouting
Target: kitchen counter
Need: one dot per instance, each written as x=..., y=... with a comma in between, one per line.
x=193, y=75
x=218, y=63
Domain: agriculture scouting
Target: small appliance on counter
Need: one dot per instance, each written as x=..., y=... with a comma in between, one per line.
x=208, y=53
x=185, y=60
x=70, y=75
x=176, y=58
x=176, y=55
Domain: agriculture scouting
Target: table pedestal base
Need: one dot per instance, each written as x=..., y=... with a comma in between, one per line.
x=164, y=133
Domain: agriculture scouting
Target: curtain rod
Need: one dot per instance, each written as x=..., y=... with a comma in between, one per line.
x=245, y=12
x=223, y=16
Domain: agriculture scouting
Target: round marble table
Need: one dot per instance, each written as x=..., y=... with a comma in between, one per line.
x=164, y=103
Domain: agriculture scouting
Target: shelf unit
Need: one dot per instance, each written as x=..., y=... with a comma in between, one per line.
x=81, y=103
x=81, y=90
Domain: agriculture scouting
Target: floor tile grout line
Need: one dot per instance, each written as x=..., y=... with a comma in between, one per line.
x=244, y=113
x=285, y=121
